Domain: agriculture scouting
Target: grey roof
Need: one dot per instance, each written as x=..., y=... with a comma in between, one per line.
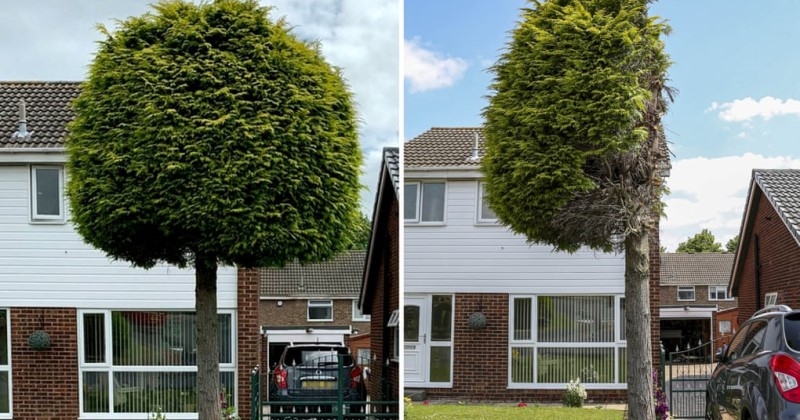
x=443, y=146
x=48, y=111
x=391, y=157
x=782, y=189
x=708, y=268
x=339, y=277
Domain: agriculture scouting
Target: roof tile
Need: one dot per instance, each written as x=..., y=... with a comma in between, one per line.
x=707, y=268
x=339, y=277
x=444, y=146
x=47, y=113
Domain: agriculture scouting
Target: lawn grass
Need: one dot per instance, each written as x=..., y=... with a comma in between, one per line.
x=417, y=411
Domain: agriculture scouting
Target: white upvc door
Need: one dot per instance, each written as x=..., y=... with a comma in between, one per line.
x=415, y=342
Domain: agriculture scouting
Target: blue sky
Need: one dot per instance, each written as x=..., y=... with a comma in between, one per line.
x=735, y=66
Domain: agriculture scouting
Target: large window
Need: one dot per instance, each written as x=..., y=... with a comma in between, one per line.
x=5, y=365
x=320, y=310
x=47, y=193
x=718, y=293
x=137, y=362
x=424, y=202
x=556, y=339
x=359, y=315
x=485, y=214
x=685, y=293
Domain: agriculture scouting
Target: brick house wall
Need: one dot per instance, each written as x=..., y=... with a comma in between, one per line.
x=654, y=242
x=385, y=379
x=669, y=297
x=45, y=383
x=294, y=312
x=248, y=333
x=779, y=257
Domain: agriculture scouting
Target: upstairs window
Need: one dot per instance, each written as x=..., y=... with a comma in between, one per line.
x=485, y=214
x=47, y=193
x=320, y=310
x=424, y=202
x=685, y=293
x=718, y=293
x=358, y=315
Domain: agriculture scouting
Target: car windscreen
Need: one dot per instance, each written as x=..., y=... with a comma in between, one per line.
x=315, y=356
x=791, y=327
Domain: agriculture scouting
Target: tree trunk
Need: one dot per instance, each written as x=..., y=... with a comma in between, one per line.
x=206, y=324
x=637, y=330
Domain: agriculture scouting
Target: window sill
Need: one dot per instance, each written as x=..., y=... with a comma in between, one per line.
x=409, y=223
x=47, y=221
x=319, y=320
x=487, y=223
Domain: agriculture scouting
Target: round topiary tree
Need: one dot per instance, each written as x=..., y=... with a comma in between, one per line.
x=208, y=134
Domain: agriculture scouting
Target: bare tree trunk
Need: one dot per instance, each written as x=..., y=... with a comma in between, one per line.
x=206, y=324
x=637, y=330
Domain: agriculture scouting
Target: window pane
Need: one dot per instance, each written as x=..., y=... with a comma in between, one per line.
x=561, y=365
x=433, y=202
x=486, y=211
x=47, y=192
x=94, y=338
x=319, y=313
x=575, y=319
x=3, y=339
x=623, y=365
x=162, y=338
x=623, y=324
x=440, y=364
x=5, y=405
x=522, y=364
x=95, y=392
x=172, y=392
x=441, y=318
x=410, y=202
x=522, y=319
x=411, y=323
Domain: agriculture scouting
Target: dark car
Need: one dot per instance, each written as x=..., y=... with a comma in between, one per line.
x=758, y=375
x=308, y=377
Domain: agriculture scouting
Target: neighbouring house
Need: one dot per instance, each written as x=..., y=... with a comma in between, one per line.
x=118, y=341
x=380, y=286
x=767, y=260
x=488, y=316
x=314, y=303
x=695, y=304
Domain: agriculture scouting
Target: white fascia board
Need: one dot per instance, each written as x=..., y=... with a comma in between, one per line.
x=448, y=172
x=687, y=312
x=27, y=155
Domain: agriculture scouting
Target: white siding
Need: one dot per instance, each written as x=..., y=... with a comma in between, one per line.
x=463, y=256
x=49, y=265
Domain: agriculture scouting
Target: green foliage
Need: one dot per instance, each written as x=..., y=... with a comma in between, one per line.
x=577, y=92
x=574, y=395
x=732, y=244
x=211, y=130
x=362, y=230
x=700, y=242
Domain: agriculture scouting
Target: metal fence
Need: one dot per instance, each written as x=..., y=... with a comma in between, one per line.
x=684, y=376
x=330, y=409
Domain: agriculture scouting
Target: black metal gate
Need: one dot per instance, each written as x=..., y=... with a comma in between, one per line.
x=686, y=373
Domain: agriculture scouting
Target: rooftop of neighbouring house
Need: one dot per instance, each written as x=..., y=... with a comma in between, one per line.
x=339, y=277
x=707, y=268
x=391, y=157
x=46, y=113
x=444, y=146
x=782, y=189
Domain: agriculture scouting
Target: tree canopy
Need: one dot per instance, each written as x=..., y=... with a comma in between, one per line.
x=704, y=241
x=209, y=134
x=574, y=144
x=732, y=244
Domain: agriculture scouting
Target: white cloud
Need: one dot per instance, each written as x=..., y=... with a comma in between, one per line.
x=427, y=70
x=710, y=194
x=746, y=109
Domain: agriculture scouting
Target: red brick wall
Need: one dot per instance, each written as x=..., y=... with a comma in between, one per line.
x=248, y=337
x=45, y=382
x=779, y=256
x=655, y=293
x=294, y=312
x=387, y=253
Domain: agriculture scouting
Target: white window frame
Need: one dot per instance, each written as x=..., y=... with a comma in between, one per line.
x=45, y=218
x=716, y=290
x=770, y=298
x=107, y=365
x=479, y=212
x=686, y=289
x=618, y=344
x=358, y=315
x=7, y=367
x=318, y=303
x=417, y=219
x=394, y=324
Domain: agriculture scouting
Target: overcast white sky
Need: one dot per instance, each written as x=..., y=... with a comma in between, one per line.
x=56, y=40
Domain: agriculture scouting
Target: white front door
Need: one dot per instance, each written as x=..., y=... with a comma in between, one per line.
x=416, y=339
